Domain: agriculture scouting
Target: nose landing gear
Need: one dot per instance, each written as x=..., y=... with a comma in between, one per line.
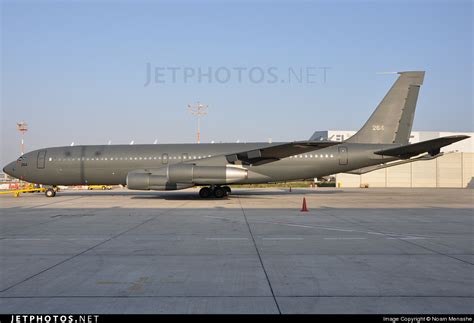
x=51, y=192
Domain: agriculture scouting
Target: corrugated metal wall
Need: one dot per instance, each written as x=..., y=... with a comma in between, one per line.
x=450, y=170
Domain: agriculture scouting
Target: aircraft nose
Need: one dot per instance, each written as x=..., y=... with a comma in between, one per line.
x=10, y=169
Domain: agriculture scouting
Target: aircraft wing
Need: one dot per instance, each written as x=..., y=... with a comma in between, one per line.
x=270, y=154
x=432, y=147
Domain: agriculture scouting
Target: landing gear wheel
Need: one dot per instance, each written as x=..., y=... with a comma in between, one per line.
x=228, y=190
x=205, y=192
x=50, y=192
x=220, y=192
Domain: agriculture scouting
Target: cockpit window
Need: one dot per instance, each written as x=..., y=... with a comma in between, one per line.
x=23, y=160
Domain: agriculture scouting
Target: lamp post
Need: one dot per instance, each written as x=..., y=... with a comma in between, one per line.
x=22, y=127
x=198, y=110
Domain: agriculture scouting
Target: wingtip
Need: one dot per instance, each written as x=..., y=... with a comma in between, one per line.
x=457, y=138
x=411, y=72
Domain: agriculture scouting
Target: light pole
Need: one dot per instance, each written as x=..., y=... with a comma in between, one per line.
x=22, y=127
x=198, y=110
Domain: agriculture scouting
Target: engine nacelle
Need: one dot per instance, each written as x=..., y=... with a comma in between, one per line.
x=149, y=181
x=181, y=176
x=185, y=173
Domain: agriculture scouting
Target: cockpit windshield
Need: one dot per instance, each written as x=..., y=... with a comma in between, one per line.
x=23, y=160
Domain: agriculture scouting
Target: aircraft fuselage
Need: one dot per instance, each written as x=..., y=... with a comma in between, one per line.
x=110, y=164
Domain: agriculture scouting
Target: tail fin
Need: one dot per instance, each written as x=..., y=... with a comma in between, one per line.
x=392, y=121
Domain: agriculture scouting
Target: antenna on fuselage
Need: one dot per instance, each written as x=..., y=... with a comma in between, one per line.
x=72, y=143
x=132, y=142
x=155, y=142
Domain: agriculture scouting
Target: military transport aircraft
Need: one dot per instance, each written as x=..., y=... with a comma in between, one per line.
x=383, y=138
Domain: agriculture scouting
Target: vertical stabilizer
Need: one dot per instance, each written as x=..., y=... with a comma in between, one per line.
x=392, y=120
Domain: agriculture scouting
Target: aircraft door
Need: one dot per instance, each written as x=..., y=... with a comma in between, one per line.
x=343, y=159
x=41, y=159
x=164, y=158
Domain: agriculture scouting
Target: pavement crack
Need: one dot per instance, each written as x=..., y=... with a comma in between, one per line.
x=260, y=257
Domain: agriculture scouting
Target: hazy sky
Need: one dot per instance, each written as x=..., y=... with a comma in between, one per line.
x=77, y=71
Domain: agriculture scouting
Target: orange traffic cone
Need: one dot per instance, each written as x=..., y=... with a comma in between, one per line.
x=304, y=208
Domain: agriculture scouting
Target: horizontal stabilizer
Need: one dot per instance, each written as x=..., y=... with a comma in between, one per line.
x=431, y=147
x=369, y=169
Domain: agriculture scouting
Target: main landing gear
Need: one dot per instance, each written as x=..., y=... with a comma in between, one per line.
x=216, y=191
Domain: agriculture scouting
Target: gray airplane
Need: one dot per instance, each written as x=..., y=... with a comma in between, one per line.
x=383, y=139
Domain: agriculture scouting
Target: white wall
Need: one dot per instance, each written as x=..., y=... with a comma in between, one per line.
x=450, y=170
x=424, y=173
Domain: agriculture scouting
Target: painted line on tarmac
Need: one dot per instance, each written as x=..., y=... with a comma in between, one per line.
x=26, y=239
x=86, y=239
x=54, y=239
x=392, y=235
x=345, y=238
x=215, y=217
x=406, y=238
x=226, y=239
x=222, y=218
x=310, y=226
x=283, y=238
x=160, y=239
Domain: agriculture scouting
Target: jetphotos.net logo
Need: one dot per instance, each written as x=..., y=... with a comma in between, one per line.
x=56, y=318
x=159, y=75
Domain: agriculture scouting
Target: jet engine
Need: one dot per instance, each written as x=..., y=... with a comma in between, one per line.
x=181, y=176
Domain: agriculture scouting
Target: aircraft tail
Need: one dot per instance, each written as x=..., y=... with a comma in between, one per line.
x=392, y=120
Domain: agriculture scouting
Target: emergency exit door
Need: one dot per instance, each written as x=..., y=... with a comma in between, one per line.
x=343, y=155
